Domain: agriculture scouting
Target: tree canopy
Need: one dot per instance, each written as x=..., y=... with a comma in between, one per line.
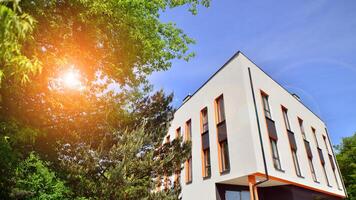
x=346, y=157
x=104, y=139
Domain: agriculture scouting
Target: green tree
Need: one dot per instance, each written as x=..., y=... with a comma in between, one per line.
x=346, y=157
x=108, y=141
x=15, y=32
x=34, y=180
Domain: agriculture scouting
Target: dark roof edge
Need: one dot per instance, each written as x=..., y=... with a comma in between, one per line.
x=234, y=56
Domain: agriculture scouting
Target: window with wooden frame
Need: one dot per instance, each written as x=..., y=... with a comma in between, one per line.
x=188, y=162
x=296, y=163
x=312, y=169
x=292, y=142
x=285, y=117
x=322, y=162
x=333, y=167
x=315, y=138
x=168, y=139
x=275, y=155
x=266, y=107
x=331, y=160
x=326, y=144
x=301, y=126
x=326, y=176
x=206, y=171
x=178, y=133
x=223, y=147
x=336, y=180
x=272, y=131
x=177, y=171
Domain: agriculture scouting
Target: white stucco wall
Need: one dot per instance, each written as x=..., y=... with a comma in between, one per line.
x=244, y=146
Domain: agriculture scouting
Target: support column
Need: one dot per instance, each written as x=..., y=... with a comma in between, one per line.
x=251, y=182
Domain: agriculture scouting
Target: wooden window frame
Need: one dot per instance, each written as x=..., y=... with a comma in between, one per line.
x=326, y=176
x=301, y=127
x=296, y=163
x=271, y=141
x=286, y=118
x=177, y=172
x=336, y=179
x=275, y=155
x=294, y=154
x=224, y=160
x=178, y=132
x=265, y=104
x=188, y=162
x=168, y=138
x=312, y=170
x=205, y=173
x=225, y=157
x=315, y=137
x=326, y=144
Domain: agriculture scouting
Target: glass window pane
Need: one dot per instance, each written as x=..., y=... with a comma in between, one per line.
x=226, y=155
x=232, y=195
x=286, y=120
x=275, y=156
x=221, y=111
x=296, y=163
x=245, y=195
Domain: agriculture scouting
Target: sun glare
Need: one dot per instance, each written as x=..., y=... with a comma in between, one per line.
x=71, y=79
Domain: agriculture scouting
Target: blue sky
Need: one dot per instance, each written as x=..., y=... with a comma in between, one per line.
x=308, y=46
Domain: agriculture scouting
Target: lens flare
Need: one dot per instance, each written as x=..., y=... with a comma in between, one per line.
x=71, y=79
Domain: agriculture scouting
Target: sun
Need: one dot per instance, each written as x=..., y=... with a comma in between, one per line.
x=71, y=79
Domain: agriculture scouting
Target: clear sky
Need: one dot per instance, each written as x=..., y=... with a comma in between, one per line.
x=308, y=46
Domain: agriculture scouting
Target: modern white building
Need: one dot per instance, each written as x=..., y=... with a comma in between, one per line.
x=252, y=139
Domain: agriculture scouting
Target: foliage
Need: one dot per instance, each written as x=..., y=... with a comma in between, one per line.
x=130, y=165
x=34, y=180
x=14, y=138
x=104, y=138
x=346, y=157
x=15, y=29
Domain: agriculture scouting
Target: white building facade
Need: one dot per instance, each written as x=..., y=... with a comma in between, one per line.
x=252, y=139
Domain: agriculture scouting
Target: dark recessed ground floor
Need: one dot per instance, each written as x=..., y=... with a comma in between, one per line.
x=285, y=192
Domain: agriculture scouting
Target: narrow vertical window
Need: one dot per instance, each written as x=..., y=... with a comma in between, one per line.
x=275, y=155
x=326, y=145
x=220, y=109
x=166, y=178
x=337, y=182
x=177, y=171
x=188, y=163
x=266, y=106
x=285, y=117
x=296, y=163
x=168, y=139
x=223, y=147
x=178, y=133
x=272, y=132
x=310, y=160
x=205, y=143
x=326, y=176
x=302, y=128
x=292, y=142
x=334, y=170
x=315, y=138
x=322, y=162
